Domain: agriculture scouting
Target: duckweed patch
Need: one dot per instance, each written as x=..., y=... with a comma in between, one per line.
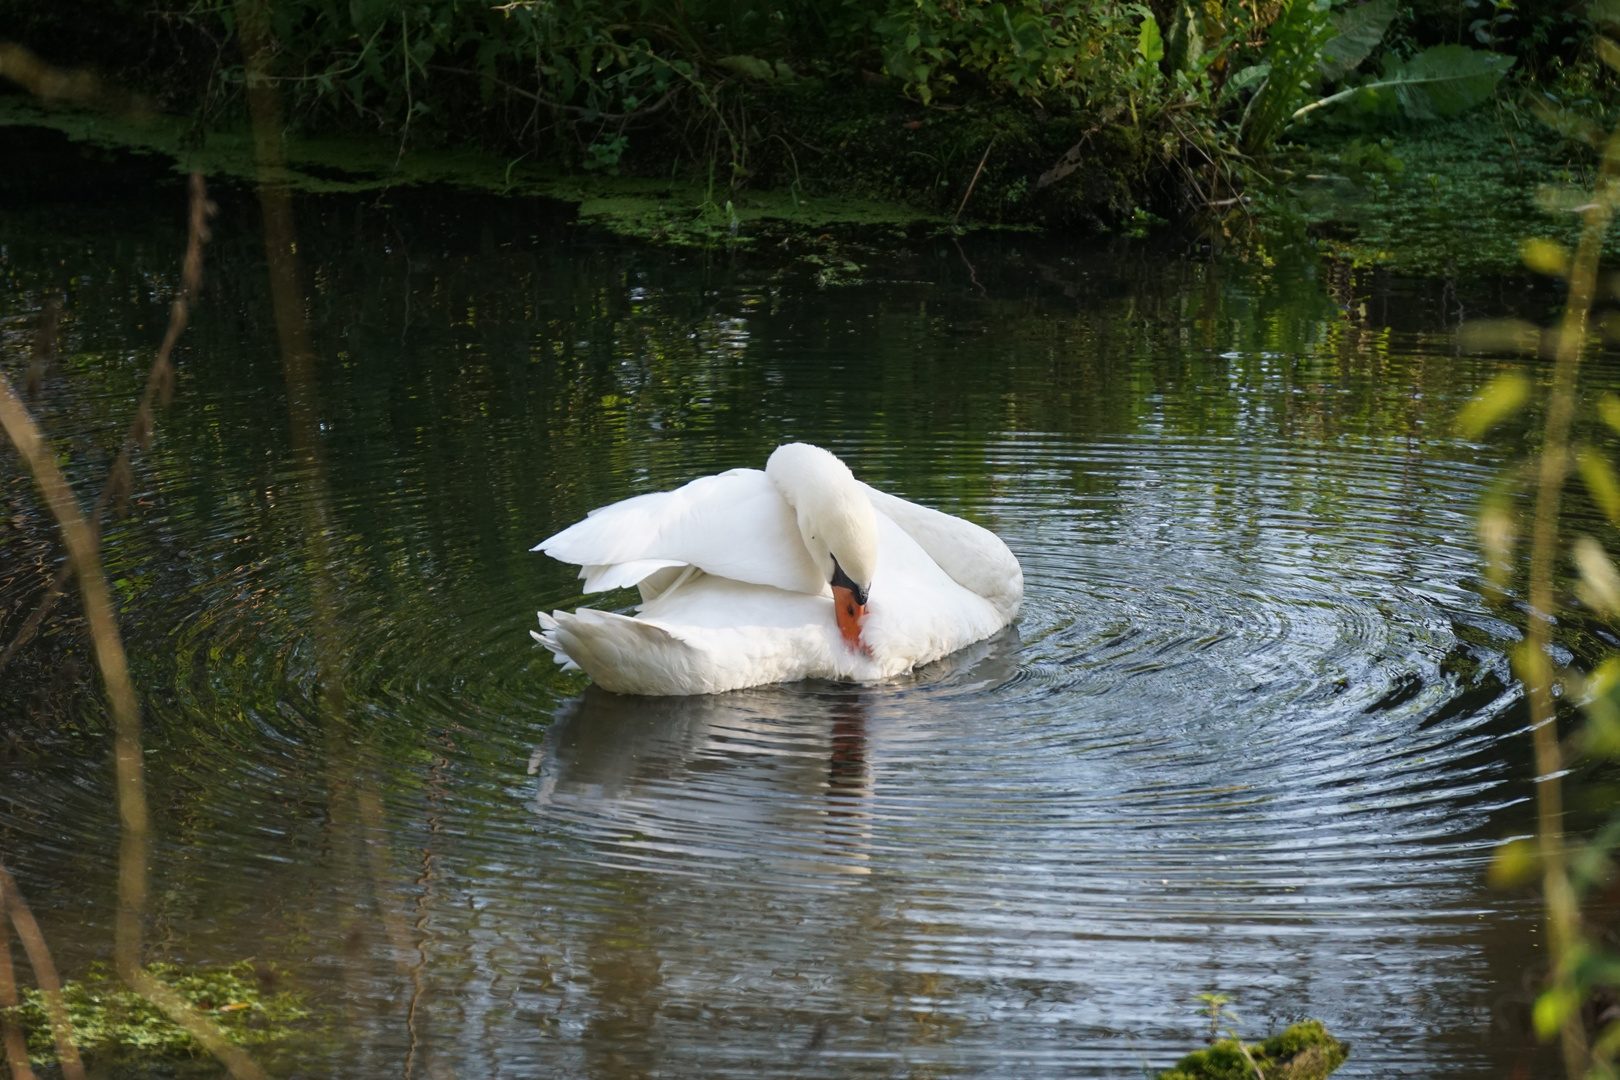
x=112, y=1023
x=677, y=212
x=1306, y=1051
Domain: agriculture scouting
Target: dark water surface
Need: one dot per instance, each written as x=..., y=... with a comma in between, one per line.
x=1254, y=733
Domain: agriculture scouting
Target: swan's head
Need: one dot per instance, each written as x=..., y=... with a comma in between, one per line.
x=837, y=524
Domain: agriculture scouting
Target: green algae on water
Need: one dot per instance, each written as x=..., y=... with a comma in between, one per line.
x=1306, y=1051
x=677, y=212
x=115, y=1024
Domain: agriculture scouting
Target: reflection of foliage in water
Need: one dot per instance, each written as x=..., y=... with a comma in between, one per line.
x=612, y=352
x=1454, y=198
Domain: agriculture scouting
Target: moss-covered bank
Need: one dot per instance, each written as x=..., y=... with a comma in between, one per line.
x=1306, y=1051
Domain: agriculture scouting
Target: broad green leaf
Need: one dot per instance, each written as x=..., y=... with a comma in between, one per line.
x=1608, y=407
x=1357, y=31
x=1545, y=257
x=1149, y=42
x=1598, y=476
x=1502, y=397
x=1600, y=584
x=1552, y=1008
x=1447, y=80
x=1498, y=535
x=1515, y=862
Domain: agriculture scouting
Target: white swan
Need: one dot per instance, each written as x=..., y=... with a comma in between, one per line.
x=797, y=572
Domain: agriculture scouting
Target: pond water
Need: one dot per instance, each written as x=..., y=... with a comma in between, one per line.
x=1254, y=733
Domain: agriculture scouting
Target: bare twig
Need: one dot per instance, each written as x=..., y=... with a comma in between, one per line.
x=82, y=544
x=159, y=385
x=11, y=1036
x=969, y=192
x=39, y=958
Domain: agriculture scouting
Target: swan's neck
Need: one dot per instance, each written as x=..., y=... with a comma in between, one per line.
x=835, y=517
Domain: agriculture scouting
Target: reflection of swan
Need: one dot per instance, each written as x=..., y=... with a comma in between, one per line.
x=758, y=772
x=797, y=572
x=785, y=773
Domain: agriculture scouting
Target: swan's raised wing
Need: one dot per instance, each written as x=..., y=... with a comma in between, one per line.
x=735, y=525
x=974, y=557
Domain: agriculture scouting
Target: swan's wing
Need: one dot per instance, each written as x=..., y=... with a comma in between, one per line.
x=975, y=558
x=734, y=525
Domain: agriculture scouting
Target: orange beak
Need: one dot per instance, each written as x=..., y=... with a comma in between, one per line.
x=850, y=616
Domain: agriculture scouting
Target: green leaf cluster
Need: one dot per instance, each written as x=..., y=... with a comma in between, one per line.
x=113, y=1022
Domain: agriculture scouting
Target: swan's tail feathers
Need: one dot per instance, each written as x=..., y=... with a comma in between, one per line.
x=547, y=636
x=624, y=655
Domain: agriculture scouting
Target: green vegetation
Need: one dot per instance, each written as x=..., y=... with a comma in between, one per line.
x=1029, y=112
x=1306, y=1051
x=113, y=1024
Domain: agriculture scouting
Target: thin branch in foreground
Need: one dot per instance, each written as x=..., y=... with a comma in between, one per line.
x=11, y=1036
x=39, y=958
x=159, y=386
x=1532, y=663
x=82, y=544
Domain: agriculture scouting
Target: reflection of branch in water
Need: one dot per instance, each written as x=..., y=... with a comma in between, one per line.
x=82, y=545
x=345, y=759
x=159, y=385
x=973, y=275
x=424, y=909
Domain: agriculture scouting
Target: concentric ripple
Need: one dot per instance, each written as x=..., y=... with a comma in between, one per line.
x=1253, y=734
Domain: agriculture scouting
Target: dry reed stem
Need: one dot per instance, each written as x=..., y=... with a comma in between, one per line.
x=1535, y=668
x=39, y=958
x=11, y=1036
x=159, y=385
x=82, y=544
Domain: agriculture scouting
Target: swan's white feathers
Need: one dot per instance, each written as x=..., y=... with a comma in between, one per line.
x=733, y=598
x=973, y=556
x=734, y=525
x=834, y=516
x=600, y=577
